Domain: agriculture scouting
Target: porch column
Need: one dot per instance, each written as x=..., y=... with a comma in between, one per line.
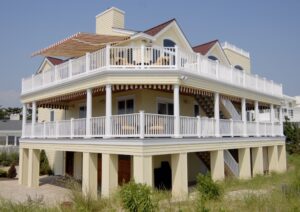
x=281, y=120
x=244, y=163
x=24, y=118
x=143, y=169
x=217, y=165
x=34, y=168
x=89, y=106
x=281, y=158
x=176, y=112
x=272, y=119
x=257, y=161
x=244, y=117
x=217, y=114
x=179, y=176
x=23, y=166
x=33, y=117
x=109, y=174
x=6, y=140
x=90, y=174
x=15, y=140
x=257, y=118
x=108, y=111
x=273, y=158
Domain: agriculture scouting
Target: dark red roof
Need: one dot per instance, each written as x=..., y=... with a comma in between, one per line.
x=55, y=61
x=154, y=30
x=205, y=47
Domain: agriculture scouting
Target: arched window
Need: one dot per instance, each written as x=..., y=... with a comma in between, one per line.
x=238, y=67
x=169, y=43
x=211, y=57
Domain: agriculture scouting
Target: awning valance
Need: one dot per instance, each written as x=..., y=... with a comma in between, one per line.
x=78, y=44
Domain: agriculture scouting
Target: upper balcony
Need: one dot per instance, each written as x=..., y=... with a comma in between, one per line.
x=112, y=58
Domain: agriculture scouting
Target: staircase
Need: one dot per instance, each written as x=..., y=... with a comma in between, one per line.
x=231, y=166
x=205, y=158
x=230, y=108
x=207, y=104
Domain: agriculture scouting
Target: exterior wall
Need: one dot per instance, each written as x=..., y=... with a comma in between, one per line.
x=45, y=66
x=44, y=114
x=237, y=59
x=109, y=19
x=195, y=166
x=217, y=52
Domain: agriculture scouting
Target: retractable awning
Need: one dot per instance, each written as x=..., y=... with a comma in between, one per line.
x=78, y=44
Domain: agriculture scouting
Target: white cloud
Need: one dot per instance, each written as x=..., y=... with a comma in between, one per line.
x=10, y=98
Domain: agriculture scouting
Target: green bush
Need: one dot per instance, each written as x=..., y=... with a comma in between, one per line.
x=137, y=197
x=3, y=173
x=207, y=188
x=44, y=164
x=6, y=159
x=12, y=172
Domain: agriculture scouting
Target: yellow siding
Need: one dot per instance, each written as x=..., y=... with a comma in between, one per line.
x=217, y=52
x=237, y=59
x=46, y=66
x=44, y=114
x=108, y=20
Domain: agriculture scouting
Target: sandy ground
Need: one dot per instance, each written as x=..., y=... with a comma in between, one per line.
x=48, y=191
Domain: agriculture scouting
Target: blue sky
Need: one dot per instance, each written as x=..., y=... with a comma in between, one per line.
x=269, y=30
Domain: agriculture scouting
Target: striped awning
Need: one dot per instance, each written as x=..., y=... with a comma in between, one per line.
x=78, y=44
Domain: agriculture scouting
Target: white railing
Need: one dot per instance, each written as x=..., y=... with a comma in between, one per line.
x=231, y=163
x=159, y=125
x=227, y=45
x=148, y=125
x=149, y=58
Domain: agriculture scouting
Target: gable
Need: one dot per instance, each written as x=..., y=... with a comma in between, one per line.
x=217, y=51
x=46, y=65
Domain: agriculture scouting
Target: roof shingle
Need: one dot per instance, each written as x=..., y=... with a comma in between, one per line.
x=205, y=47
x=154, y=30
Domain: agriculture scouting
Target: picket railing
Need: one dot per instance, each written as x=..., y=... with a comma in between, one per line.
x=144, y=58
x=148, y=125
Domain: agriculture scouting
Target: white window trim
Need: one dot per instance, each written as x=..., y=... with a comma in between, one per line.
x=163, y=100
x=122, y=98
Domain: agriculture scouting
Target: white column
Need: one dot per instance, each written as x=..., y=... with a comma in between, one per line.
x=281, y=120
x=33, y=117
x=217, y=165
x=34, y=168
x=89, y=106
x=244, y=163
x=15, y=140
x=23, y=166
x=179, y=176
x=6, y=141
x=217, y=114
x=90, y=174
x=272, y=118
x=24, y=118
x=109, y=174
x=257, y=161
x=244, y=117
x=143, y=169
x=257, y=118
x=176, y=112
x=142, y=124
x=108, y=111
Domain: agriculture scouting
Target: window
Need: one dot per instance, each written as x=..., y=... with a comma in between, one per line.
x=82, y=112
x=291, y=113
x=52, y=115
x=238, y=67
x=169, y=43
x=196, y=110
x=125, y=106
x=11, y=140
x=165, y=106
x=211, y=57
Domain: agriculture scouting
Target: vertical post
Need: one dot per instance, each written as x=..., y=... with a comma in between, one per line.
x=142, y=56
x=33, y=117
x=56, y=129
x=281, y=120
x=244, y=117
x=24, y=118
x=107, y=56
x=217, y=114
x=217, y=165
x=87, y=61
x=33, y=168
x=198, y=126
x=142, y=124
x=44, y=130
x=70, y=68
x=272, y=119
x=143, y=169
x=176, y=111
x=108, y=111
x=244, y=163
x=179, y=176
x=89, y=105
x=177, y=64
x=15, y=140
x=231, y=127
x=89, y=174
x=72, y=128
x=6, y=140
x=257, y=118
x=198, y=62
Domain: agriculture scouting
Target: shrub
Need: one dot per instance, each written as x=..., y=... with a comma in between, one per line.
x=12, y=172
x=3, y=173
x=137, y=197
x=44, y=164
x=207, y=188
x=7, y=159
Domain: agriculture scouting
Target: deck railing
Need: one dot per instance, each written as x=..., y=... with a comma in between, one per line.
x=141, y=125
x=148, y=58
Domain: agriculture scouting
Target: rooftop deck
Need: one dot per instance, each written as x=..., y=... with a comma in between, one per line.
x=147, y=59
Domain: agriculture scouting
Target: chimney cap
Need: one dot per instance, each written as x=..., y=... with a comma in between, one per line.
x=109, y=9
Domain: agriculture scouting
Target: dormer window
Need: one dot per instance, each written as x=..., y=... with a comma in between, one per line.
x=211, y=57
x=238, y=67
x=169, y=43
